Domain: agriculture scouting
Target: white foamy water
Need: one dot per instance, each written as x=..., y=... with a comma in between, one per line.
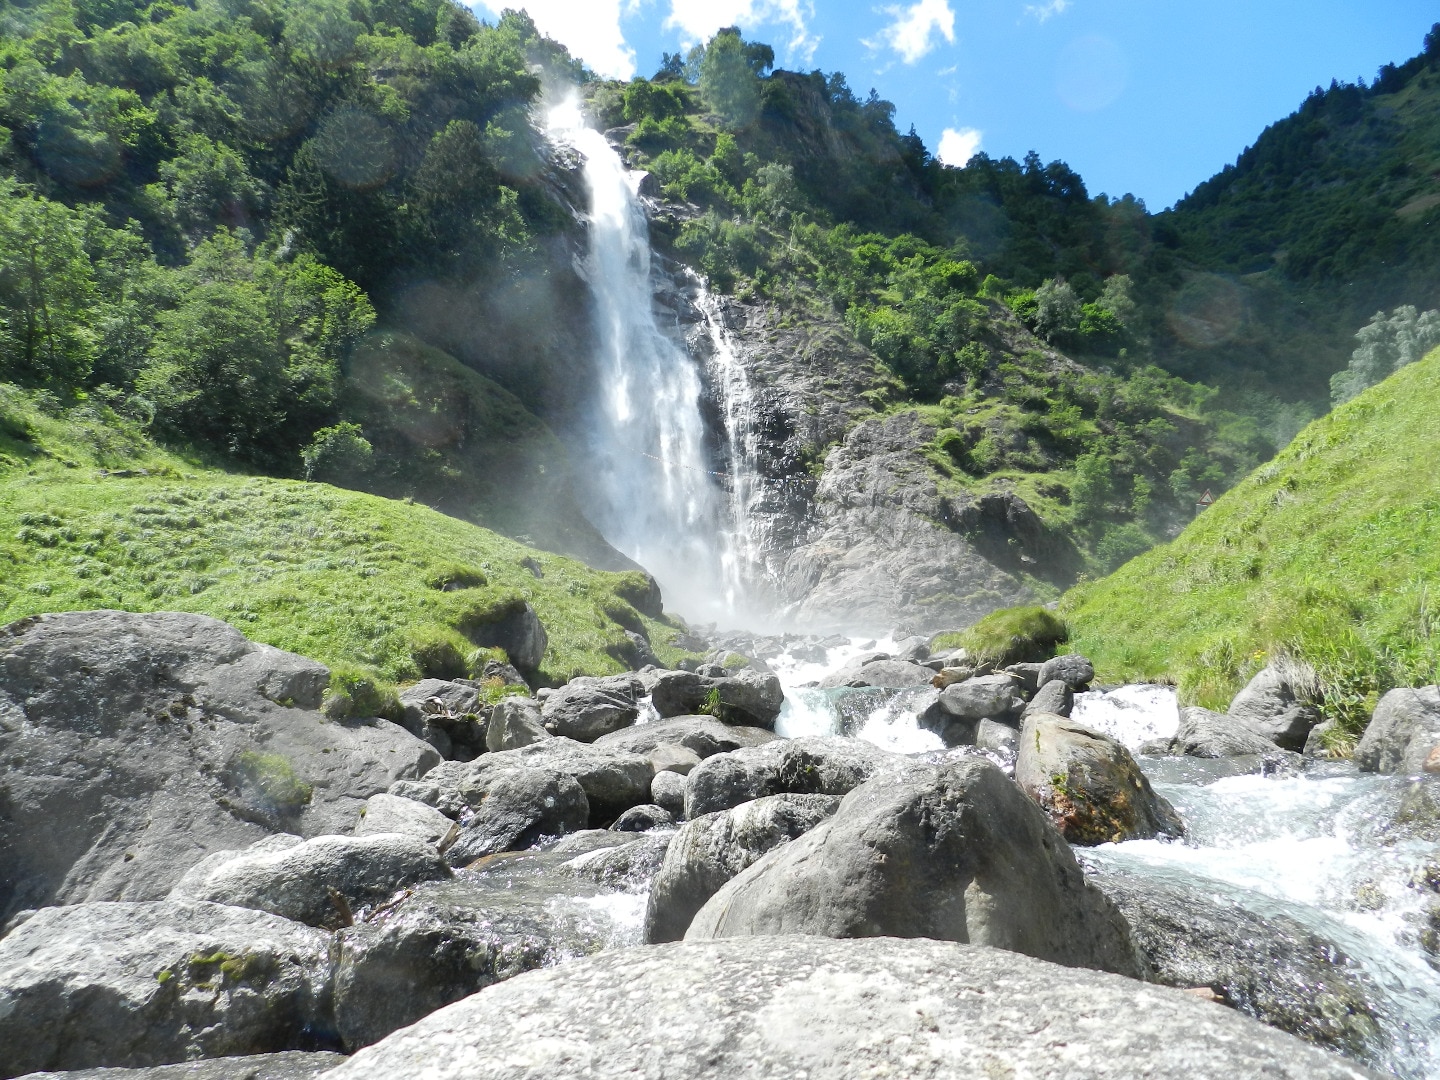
x=1306, y=847
x=649, y=485
x=1132, y=715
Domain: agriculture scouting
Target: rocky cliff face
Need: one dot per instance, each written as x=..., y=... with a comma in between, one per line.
x=848, y=527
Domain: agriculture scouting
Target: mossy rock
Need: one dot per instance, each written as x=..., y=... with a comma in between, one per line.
x=1015, y=635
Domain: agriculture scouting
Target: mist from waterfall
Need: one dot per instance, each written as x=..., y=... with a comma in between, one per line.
x=647, y=482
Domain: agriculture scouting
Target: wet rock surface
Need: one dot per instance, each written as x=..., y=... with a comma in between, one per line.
x=1089, y=784
x=952, y=852
x=131, y=746
x=1271, y=967
x=834, y=1010
x=285, y=1065
x=502, y=916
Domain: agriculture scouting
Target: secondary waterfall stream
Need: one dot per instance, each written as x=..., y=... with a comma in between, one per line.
x=649, y=484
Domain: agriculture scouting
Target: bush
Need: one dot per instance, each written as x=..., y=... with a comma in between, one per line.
x=337, y=454
x=1015, y=636
x=272, y=779
x=355, y=692
x=438, y=658
x=1121, y=543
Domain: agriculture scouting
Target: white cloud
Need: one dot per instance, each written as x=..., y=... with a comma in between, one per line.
x=697, y=20
x=1047, y=10
x=957, y=146
x=912, y=33
x=590, y=29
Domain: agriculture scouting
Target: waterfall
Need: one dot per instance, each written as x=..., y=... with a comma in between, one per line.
x=745, y=543
x=647, y=481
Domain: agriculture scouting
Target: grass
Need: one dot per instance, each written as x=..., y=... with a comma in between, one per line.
x=1330, y=554
x=1009, y=636
x=93, y=515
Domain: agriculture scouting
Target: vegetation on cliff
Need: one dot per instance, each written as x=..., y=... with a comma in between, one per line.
x=1329, y=554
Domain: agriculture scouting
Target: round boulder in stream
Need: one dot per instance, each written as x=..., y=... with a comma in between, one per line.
x=1089, y=785
x=953, y=852
x=766, y=1008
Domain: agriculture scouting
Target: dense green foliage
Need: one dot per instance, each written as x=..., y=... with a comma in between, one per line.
x=1020, y=635
x=93, y=515
x=206, y=203
x=1329, y=555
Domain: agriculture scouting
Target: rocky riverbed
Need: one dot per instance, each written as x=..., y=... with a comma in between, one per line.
x=827, y=856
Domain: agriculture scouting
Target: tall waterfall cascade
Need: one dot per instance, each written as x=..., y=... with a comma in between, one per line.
x=649, y=481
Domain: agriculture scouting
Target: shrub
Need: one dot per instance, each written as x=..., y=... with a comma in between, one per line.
x=337, y=454
x=271, y=778
x=438, y=658
x=1015, y=636
x=356, y=692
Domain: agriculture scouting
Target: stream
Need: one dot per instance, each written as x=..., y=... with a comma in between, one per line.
x=1310, y=846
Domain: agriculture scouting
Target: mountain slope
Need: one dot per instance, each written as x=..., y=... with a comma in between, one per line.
x=1330, y=553
x=93, y=515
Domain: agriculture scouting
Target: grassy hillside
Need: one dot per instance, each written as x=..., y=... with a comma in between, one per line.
x=1331, y=553
x=93, y=515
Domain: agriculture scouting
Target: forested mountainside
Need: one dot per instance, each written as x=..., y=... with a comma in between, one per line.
x=325, y=238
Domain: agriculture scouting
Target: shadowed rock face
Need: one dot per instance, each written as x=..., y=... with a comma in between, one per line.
x=834, y=1010
x=1272, y=968
x=132, y=746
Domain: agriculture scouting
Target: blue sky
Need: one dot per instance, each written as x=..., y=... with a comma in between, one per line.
x=1145, y=96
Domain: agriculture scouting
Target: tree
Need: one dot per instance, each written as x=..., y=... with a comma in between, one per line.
x=1092, y=488
x=1387, y=343
x=47, y=292
x=1057, y=310
x=728, y=82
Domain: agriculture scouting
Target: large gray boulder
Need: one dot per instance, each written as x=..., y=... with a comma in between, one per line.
x=985, y=696
x=386, y=813
x=523, y=910
x=1074, y=670
x=149, y=983
x=321, y=882
x=1089, y=784
x=612, y=780
x=515, y=722
x=750, y=698
x=888, y=673
x=668, y=791
x=1272, y=704
x=1207, y=734
x=1271, y=967
x=712, y=849
x=1403, y=732
x=813, y=765
x=1054, y=698
x=953, y=852
x=283, y=1065
x=586, y=708
x=515, y=807
x=131, y=746
x=834, y=1010
x=703, y=734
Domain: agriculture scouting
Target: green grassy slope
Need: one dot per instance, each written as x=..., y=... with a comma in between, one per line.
x=93, y=515
x=1331, y=553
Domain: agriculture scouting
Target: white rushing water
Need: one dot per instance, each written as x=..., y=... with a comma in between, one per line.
x=1308, y=847
x=648, y=483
